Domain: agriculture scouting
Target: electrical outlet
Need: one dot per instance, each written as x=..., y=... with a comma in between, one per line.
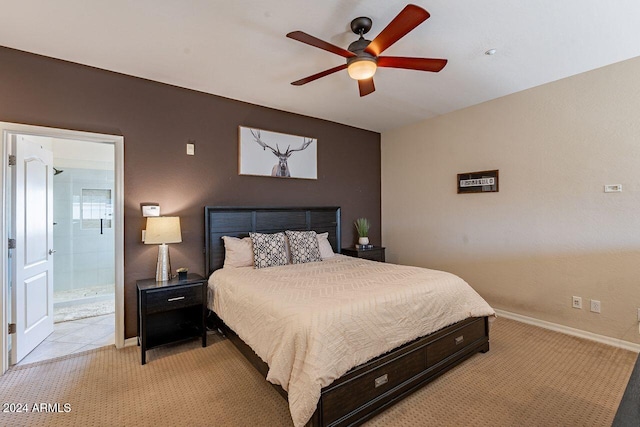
x=576, y=302
x=595, y=306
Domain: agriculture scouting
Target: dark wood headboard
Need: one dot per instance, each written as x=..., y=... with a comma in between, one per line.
x=240, y=221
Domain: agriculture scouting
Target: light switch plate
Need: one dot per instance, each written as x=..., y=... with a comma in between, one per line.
x=151, y=210
x=191, y=149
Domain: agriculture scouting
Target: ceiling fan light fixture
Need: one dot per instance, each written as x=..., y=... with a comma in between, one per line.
x=363, y=56
x=362, y=68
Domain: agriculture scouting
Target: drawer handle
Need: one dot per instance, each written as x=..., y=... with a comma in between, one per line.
x=460, y=339
x=175, y=299
x=381, y=380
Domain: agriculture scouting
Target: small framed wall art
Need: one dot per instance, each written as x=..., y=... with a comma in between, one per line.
x=478, y=182
x=276, y=154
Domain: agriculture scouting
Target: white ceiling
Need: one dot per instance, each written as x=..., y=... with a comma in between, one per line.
x=238, y=49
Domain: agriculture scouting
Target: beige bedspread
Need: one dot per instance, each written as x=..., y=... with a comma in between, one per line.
x=311, y=323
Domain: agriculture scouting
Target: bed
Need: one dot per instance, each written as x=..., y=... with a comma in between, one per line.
x=332, y=373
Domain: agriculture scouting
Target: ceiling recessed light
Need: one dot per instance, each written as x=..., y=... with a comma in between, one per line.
x=490, y=52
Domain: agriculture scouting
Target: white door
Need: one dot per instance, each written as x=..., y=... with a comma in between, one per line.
x=32, y=261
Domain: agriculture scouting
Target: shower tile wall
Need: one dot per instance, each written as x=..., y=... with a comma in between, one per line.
x=84, y=258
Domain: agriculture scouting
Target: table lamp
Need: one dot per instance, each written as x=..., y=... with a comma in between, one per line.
x=160, y=231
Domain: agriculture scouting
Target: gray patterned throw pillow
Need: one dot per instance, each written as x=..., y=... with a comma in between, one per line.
x=303, y=246
x=268, y=250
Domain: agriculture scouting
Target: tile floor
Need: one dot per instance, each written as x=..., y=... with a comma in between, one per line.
x=73, y=337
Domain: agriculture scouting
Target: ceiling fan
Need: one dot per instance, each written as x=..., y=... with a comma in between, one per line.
x=363, y=56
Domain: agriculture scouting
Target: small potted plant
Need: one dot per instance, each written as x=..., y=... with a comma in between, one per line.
x=182, y=273
x=362, y=227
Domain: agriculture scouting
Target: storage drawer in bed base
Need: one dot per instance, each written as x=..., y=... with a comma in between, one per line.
x=372, y=387
x=358, y=395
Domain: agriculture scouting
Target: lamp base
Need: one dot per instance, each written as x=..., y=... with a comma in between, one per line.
x=163, y=268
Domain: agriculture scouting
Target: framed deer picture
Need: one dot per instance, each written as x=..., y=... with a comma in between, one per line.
x=267, y=153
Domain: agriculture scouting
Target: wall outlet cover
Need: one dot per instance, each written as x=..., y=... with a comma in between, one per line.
x=576, y=302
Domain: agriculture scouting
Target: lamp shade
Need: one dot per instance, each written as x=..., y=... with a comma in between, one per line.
x=362, y=68
x=162, y=229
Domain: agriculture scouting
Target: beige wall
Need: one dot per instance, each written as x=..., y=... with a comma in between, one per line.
x=551, y=232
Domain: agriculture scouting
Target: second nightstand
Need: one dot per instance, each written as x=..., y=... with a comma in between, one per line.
x=375, y=254
x=171, y=311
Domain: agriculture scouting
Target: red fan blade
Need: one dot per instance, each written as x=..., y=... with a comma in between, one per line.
x=366, y=86
x=422, y=64
x=320, y=74
x=314, y=41
x=409, y=18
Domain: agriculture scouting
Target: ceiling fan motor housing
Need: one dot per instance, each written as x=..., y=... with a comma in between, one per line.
x=359, y=46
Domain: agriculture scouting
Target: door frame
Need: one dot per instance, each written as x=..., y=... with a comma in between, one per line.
x=6, y=130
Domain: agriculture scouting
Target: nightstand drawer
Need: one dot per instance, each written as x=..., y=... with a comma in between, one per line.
x=374, y=254
x=170, y=299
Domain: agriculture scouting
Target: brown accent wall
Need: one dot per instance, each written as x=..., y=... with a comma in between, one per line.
x=156, y=121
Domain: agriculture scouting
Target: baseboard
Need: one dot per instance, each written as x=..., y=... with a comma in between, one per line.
x=134, y=341
x=570, y=331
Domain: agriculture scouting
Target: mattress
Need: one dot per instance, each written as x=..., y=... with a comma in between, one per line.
x=311, y=323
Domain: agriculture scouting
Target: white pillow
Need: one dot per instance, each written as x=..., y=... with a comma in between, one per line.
x=326, y=251
x=237, y=252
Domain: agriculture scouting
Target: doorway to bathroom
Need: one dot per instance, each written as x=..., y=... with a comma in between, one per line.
x=77, y=302
x=83, y=247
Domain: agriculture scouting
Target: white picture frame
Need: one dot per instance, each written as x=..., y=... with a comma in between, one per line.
x=266, y=153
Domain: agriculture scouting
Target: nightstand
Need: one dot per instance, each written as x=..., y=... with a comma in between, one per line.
x=171, y=311
x=375, y=254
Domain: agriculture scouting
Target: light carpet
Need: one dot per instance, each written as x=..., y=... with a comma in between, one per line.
x=530, y=377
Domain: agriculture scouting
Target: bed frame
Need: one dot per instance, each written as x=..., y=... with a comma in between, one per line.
x=370, y=388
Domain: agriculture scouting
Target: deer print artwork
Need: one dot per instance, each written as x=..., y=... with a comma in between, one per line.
x=271, y=141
